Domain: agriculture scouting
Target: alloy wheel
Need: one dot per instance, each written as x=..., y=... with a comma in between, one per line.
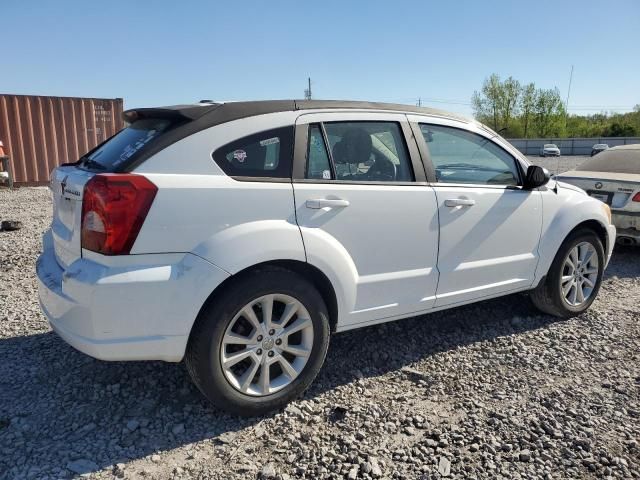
x=266, y=345
x=579, y=274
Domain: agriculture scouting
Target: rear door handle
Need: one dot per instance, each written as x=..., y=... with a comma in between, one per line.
x=459, y=202
x=326, y=202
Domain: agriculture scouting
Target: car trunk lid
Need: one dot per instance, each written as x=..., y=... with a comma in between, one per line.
x=615, y=189
x=67, y=186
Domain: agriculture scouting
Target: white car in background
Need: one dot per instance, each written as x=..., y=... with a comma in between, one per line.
x=613, y=176
x=549, y=150
x=238, y=236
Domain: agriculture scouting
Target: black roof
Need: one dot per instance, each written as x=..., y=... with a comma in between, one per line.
x=209, y=114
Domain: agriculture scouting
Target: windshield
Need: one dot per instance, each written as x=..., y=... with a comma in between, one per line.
x=124, y=144
x=550, y=145
x=614, y=161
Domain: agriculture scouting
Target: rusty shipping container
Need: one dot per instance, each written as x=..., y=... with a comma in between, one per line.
x=40, y=133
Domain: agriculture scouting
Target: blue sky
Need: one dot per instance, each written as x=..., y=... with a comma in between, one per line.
x=162, y=52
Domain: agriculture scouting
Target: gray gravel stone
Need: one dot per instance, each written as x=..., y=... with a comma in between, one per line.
x=470, y=389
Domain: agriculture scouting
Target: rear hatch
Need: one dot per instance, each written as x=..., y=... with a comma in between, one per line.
x=68, y=181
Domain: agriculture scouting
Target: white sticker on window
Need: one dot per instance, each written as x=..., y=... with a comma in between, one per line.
x=326, y=174
x=240, y=155
x=269, y=141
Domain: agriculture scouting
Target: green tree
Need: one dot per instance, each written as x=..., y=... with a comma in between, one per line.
x=509, y=91
x=486, y=103
x=527, y=104
x=548, y=112
x=497, y=101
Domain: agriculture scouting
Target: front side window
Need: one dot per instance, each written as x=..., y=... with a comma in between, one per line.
x=264, y=154
x=460, y=156
x=360, y=152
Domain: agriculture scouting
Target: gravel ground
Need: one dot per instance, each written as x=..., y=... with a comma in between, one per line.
x=492, y=390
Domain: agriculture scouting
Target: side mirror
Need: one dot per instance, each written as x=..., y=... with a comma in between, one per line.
x=536, y=177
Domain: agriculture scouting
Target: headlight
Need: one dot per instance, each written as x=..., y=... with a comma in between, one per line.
x=607, y=211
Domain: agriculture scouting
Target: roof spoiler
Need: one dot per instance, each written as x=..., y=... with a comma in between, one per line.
x=174, y=113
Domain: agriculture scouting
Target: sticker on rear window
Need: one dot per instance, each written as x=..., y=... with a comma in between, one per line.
x=326, y=174
x=269, y=141
x=240, y=155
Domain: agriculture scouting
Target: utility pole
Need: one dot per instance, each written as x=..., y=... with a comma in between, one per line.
x=566, y=106
x=419, y=104
x=307, y=92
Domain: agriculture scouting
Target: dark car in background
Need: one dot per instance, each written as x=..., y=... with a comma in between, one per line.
x=599, y=147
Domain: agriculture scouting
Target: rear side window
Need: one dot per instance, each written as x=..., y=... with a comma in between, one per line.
x=264, y=154
x=125, y=144
x=359, y=151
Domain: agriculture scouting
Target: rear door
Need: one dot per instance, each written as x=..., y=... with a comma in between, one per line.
x=489, y=225
x=366, y=213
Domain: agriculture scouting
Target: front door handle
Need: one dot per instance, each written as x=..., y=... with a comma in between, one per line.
x=459, y=202
x=326, y=202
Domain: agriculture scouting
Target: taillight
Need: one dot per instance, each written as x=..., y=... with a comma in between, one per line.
x=114, y=206
x=636, y=197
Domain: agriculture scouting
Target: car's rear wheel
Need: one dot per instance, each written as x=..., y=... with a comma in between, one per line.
x=260, y=342
x=574, y=279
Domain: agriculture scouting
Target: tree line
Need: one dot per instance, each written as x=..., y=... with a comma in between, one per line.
x=524, y=111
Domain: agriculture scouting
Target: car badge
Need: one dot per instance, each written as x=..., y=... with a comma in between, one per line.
x=63, y=184
x=598, y=185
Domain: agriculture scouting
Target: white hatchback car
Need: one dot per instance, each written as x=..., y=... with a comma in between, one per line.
x=238, y=236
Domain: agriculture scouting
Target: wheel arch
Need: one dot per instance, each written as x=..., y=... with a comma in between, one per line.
x=595, y=226
x=589, y=224
x=310, y=272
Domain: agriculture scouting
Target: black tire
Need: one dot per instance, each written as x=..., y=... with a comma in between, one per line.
x=203, y=351
x=547, y=296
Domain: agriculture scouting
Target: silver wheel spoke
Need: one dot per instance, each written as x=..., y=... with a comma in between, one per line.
x=232, y=359
x=289, y=311
x=297, y=350
x=591, y=271
x=589, y=283
x=232, y=338
x=265, y=379
x=567, y=287
x=587, y=256
x=573, y=293
x=250, y=315
x=573, y=257
x=248, y=376
x=267, y=311
x=579, y=293
x=287, y=367
x=299, y=324
x=566, y=278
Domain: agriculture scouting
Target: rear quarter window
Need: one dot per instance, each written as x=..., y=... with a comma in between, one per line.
x=265, y=154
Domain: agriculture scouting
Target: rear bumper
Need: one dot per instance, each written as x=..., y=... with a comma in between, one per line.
x=141, y=311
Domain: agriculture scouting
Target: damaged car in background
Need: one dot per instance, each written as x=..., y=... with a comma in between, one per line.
x=613, y=177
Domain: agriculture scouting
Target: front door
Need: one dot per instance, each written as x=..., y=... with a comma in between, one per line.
x=489, y=225
x=365, y=220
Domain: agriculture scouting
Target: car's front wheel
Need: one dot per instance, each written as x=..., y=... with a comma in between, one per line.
x=260, y=342
x=574, y=279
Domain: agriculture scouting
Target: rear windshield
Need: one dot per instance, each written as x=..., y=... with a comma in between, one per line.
x=124, y=144
x=614, y=161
